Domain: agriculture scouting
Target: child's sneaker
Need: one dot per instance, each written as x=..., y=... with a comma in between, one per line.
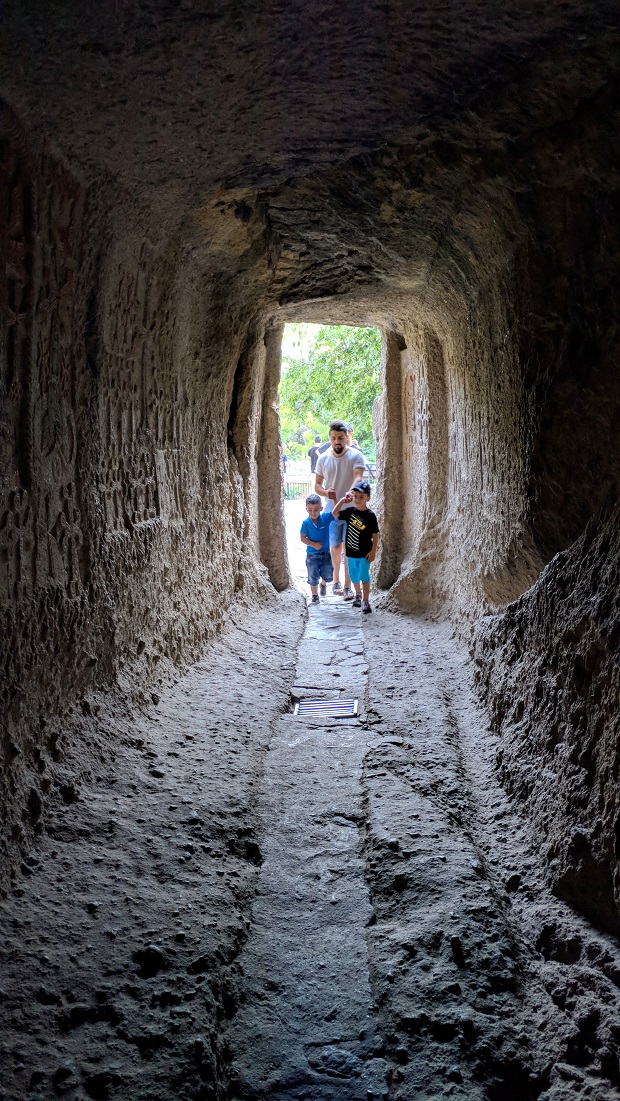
x=315, y=599
x=357, y=603
x=366, y=609
x=323, y=589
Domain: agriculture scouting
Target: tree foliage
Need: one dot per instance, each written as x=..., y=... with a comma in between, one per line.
x=335, y=377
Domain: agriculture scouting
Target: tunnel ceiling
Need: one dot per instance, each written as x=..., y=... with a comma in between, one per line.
x=364, y=165
x=177, y=100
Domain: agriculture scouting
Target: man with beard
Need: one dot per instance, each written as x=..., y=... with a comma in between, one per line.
x=337, y=470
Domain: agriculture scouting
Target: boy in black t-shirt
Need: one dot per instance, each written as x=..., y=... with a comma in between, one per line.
x=360, y=540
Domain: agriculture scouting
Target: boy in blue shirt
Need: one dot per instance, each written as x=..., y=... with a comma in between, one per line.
x=314, y=535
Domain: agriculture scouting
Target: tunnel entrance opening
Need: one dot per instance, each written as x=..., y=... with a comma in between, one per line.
x=328, y=373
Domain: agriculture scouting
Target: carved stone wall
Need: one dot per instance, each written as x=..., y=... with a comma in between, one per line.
x=58, y=529
x=43, y=557
x=17, y=291
x=42, y=532
x=388, y=414
x=179, y=410
x=270, y=476
x=129, y=520
x=422, y=399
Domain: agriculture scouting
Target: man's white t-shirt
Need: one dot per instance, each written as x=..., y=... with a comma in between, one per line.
x=339, y=472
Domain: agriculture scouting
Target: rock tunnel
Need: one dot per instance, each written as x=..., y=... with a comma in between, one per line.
x=202, y=898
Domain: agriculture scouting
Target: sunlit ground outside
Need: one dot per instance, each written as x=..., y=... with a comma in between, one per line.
x=294, y=515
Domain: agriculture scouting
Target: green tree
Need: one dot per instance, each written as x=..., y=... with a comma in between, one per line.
x=336, y=377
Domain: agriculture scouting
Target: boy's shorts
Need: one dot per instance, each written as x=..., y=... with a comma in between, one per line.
x=359, y=569
x=337, y=532
x=319, y=567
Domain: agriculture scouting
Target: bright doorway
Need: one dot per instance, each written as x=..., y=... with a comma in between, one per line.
x=329, y=372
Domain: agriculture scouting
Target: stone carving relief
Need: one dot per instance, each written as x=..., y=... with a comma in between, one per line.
x=141, y=429
x=423, y=417
x=408, y=407
x=40, y=529
x=16, y=323
x=58, y=531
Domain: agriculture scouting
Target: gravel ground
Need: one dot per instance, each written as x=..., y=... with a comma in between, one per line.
x=235, y=903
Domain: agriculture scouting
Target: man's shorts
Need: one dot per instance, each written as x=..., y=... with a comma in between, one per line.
x=359, y=569
x=319, y=567
x=337, y=532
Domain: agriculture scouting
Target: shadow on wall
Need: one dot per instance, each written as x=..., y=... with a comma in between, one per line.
x=121, y=497
x=555, y=705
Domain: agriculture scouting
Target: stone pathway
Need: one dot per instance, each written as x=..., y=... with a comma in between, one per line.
x=120, y=939
x=403, y=942
x=306, y=1025
x=238, y=904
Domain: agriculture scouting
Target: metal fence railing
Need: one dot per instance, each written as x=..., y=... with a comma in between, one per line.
x=297, y=488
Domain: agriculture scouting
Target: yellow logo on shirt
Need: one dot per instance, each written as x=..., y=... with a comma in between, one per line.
x=357, y=523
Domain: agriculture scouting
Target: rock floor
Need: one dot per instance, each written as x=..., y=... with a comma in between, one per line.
x=307, y=1026
x=242, y=904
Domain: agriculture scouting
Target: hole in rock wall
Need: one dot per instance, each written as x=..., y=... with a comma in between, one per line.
x=329, y=373
x=443, y=427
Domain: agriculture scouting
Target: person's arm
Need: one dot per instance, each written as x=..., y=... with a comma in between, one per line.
x=310, y=542
x=307, y=541
x=320, y=488
x=372, y=552
x=318, y=485
x=346, y=500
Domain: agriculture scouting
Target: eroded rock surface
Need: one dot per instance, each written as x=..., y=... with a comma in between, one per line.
x=176, y=182
x=549, y=671
x=120, y=941
x=486, y=985
x=234, y=902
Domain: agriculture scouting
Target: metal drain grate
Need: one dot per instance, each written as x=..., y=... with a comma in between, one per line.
x=328, y=709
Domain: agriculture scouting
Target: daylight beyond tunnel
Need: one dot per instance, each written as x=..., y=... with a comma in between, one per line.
x=178, y=185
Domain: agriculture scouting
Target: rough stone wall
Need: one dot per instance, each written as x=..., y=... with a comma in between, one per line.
x=446, y=291
x=512, y=269
x=466, y=203
x=132, y=394
x=416, y=393
x=388, y=430
x=45, y=519
x=549, y=671
x=269, y=503
x=570, y=341
x=554, y=649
